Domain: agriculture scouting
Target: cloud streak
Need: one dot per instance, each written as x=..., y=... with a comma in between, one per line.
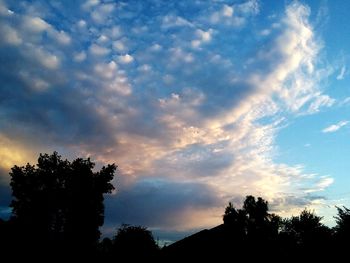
x=335, y=127
x=341, y=73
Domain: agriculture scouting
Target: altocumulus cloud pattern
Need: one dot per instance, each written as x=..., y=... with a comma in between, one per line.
x=187, y=97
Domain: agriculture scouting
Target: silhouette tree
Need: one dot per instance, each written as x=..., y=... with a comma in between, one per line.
x=306, y=233
x=134, y=242
x=342, y=228
x=58, y=204
x=257, y=216
x=251, y=228
x=236, y=221
x=254, y=233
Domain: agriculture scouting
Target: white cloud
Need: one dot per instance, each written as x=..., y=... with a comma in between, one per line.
x=45, y=58
x=61, y=37
x=106, y=71
x=82, y=23
x=48, y=60
x=98, y=17
x=236, y=14
x=107, y=8
x=227, y=10
x=10, y=35
x=35, y=24
x=202, y=37
x=175, y=21
x=178, y=55
x=3, y=9
x=126, y=59
x=114, y=32
x=345, y=101
x=145, y=68
x=341, y=73
x=249, y=7
x=90, y=3
x=335, y=127
x=156, y=47
x=101, y=13
x=99, y=50
x=33, y=82
x=265, y=32
x=324, y=183
x=119, y=46
x=103, y=39
x=319, y=102
x=79, y=57
x=40, y=84
x=294, y=78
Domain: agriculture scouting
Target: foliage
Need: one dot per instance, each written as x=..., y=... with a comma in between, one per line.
x=59, y=202
x=342, y=228
x=134, y=242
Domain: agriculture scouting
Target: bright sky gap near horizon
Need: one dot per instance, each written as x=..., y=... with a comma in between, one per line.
x=198, y=102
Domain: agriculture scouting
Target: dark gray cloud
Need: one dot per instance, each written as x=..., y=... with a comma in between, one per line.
x=158, y=202
x=294, y=201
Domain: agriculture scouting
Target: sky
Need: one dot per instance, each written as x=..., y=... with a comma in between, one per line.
x=198, y=103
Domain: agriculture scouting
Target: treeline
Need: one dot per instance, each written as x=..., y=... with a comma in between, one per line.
x=57, y=209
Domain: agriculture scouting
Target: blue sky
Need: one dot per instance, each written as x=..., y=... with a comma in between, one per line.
x=198, y=102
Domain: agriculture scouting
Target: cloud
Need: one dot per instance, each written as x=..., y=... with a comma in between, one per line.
x=202, y=37
x=47, y=59
x=341, y=73
x=187, y=104
x=79, y=57
x=335, y=127
x=90, y=3
x=170, y=21
x=235, y=15
x=126, y=59
x=119, y=45
x=35, y=24
x=159, y=203
x=98, y=50
x=345, y=101
x=62, y=37
x=227, y=11
x=10, y=35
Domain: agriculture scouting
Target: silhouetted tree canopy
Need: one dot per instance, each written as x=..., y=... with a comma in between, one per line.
x=252, y=221
x=306, y=232
x=134, y=242
x=342, y=227
x=252, y=233
x=59, y=203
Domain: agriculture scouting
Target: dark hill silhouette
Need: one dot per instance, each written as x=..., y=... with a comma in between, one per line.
x=202, y=245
